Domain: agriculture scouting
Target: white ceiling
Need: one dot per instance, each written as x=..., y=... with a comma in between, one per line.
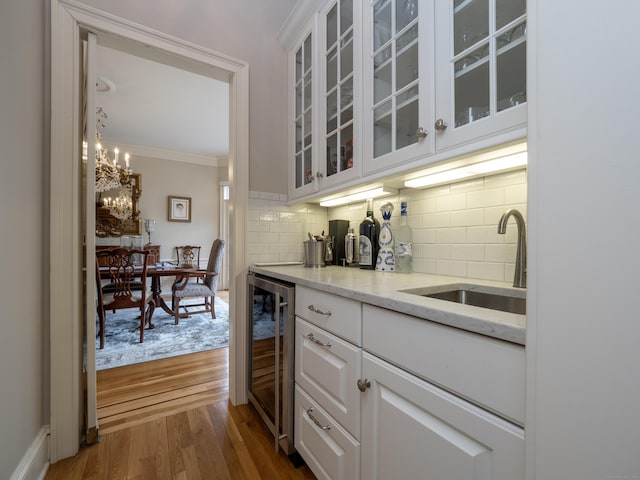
x=155, y=109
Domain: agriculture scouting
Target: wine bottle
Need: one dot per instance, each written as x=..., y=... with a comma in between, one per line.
x=403, y=246
x=368, y=244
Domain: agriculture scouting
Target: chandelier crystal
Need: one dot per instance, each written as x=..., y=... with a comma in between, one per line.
x=120, y=207
x=109, y=173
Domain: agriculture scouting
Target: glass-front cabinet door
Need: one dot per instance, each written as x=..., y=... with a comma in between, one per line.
x=303, y=178
x=398, y=55
x=339, y=37
x=480, y=69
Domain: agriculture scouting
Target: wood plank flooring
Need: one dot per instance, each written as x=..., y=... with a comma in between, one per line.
x=171, y=419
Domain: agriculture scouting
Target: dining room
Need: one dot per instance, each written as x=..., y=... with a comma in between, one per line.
x=175, y=141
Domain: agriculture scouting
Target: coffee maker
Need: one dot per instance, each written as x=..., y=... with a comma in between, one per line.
x=337, y=230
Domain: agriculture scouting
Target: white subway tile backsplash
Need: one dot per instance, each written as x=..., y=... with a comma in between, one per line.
x=436, y=251
x=485, y=234
x=486, y=271
x=450, y=267
x=501, y=253
x=454, y=226
x=485, y=198
x=515, y=194
x=467, y=218
x=436, y=220
x=468, y=252
x=450, y=203
x=451, y=235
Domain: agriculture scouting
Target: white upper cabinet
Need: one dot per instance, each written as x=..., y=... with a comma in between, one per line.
x=340, y=79
x=480, y=69
x=302, y=169
x=387, y=86
x=398, y=86
x=325, y=88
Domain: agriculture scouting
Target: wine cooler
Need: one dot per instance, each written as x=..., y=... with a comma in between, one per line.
x=271, y=317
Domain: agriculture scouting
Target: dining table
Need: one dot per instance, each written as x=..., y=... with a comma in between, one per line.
x=156, y=273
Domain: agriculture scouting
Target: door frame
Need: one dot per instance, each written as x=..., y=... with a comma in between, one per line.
x=68, y=19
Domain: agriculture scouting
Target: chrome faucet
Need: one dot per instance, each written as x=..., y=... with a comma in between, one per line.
x=520, y=275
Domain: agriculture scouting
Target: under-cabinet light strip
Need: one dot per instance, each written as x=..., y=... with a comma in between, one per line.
x=355, y=197
x=501, y=164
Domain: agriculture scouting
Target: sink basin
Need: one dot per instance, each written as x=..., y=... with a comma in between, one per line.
x=504, y=300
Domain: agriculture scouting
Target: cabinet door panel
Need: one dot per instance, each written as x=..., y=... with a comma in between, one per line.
x=480, y=69
x=302, y=112
x=442, y=435
x=398, y=87
x=328, y=368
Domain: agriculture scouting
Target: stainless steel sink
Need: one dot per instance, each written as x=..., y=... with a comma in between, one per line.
x=505, y=300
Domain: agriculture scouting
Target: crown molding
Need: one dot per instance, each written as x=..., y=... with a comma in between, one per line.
x=166, y=154
x=296, y=21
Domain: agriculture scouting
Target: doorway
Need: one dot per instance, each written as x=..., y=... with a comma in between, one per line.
x=172, y=126
x=66, y=242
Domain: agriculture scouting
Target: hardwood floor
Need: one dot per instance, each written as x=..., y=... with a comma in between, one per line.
x=171, y=419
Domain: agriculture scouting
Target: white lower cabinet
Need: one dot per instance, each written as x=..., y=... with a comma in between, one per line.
x=383, y=395
x=413, y=429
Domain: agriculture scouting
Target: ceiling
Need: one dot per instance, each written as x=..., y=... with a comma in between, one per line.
x=161, y=111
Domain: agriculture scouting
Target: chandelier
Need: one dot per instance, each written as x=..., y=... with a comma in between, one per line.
x=109, y=173
x=120, y=207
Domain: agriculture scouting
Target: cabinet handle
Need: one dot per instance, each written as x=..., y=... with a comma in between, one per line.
x=440, y=125
x=318, y=311
x=363, y=384
x=316, y=341
x=315, y=420
x=421, y=133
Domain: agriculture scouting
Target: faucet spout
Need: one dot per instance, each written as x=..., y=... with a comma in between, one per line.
x=520, y=275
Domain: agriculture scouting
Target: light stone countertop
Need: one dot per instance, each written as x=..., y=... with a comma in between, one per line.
x=382, y=290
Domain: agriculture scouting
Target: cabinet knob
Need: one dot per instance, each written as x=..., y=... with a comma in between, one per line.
x=363, y=384
x=421, y=133
x=440, y=125
x=319, y=175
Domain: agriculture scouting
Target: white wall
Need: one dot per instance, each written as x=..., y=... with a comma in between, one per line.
x=583, y=336
x=244, y=30
x=23, y=213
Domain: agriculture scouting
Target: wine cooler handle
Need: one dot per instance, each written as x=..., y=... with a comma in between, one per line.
x=316, y=341
x=315, y=420
x=318, y=311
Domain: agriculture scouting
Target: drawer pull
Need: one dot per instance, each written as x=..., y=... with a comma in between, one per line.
x=363, y=384
x=316, y=341
x=315, y=420
x=318, y=311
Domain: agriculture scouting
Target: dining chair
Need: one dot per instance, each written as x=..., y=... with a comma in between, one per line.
x=188, y=256
x=123, y=269
x=199, y=283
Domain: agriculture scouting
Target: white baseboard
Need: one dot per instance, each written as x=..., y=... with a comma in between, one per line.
x=35, y=462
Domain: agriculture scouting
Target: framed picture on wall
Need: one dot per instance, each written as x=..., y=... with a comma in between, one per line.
x=179, y=209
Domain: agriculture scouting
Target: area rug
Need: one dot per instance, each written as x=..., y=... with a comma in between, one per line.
x=197, y=333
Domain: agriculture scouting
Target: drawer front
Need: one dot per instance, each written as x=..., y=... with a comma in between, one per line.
x=328, y=368
x=486, y=371
x=334, y=313
x=330, y=452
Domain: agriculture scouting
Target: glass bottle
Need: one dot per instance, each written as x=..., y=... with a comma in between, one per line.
x=403, y=243
x=368, y=244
